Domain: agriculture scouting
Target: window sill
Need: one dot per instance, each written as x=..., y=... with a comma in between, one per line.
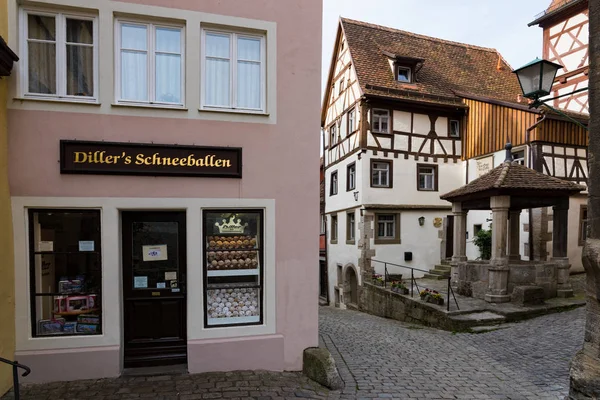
x=333, y=242
x=58, y=100
x=382, y=133
x=381, y=187
x=352, y=242
x=152, y=106
x=387, y=241
x=234, y=111
x=427, y=190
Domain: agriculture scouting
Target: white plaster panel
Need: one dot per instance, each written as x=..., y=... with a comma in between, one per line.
x=438, y=149
x=559, y=166
x=555, y=29
x=548, y=160
x=584, y=166
x=371, y=140
x=563, y=44
x=401, y=142
x=441, y=126
x=581, y=153
x=570, y=151
x=576, y=19
x=422, y=124
x=402, y=121
x=559, y=150
x=385, y=142
x=344, y=199
x=458, y=149
x=570, y=163
x=416, y=143
x=547, y=149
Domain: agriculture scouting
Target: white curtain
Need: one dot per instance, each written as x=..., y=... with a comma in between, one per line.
x=80, y=58
x=168, y=65
x=41, y=49
x=134, y=62
x=248, y=73
x=217, y=80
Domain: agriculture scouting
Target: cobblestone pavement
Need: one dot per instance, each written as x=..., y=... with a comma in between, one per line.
x=380, y=358
x=385, y=358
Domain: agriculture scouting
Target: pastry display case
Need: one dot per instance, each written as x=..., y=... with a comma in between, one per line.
x=233, y=267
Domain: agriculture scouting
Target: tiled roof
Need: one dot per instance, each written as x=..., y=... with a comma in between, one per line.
x=513, y=177
x=448, y=66
x=555, y=8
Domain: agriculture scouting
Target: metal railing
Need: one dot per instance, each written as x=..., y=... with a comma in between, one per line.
x=413, y=281
x=15, y=368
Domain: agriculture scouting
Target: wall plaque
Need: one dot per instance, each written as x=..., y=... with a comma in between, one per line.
x=112, y=158
x=483, y=166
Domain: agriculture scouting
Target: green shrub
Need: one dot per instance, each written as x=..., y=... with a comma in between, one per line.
x=483, y=240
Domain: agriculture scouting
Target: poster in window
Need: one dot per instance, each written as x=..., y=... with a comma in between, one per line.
x=154, y=253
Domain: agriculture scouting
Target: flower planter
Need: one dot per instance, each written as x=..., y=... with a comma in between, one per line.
x=433, y=300
x=378, y=283
x=400, y=290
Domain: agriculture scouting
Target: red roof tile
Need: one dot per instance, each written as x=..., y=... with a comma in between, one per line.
x=448, y=66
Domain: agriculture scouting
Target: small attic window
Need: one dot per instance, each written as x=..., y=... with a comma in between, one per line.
x=403, y=74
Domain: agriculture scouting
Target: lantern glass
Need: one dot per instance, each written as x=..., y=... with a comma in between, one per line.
x=536, y=78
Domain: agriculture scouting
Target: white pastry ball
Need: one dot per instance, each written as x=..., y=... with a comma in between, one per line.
x=228, y=304
x=219, y=310
x=252, y=308
x=248, y=313
x=235, y=314
x=254, y=303
x=244, y=308
x=235, y=303
x=218, y=299
x=215, y=305
x=228, y=314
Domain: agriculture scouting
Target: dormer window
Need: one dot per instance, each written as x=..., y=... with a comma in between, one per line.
x=403, y=74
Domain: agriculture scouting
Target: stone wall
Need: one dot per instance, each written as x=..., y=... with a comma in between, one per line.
x=384, y=303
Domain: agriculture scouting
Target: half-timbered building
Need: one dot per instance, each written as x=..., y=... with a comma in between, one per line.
x=566, y=33
x=407, y=117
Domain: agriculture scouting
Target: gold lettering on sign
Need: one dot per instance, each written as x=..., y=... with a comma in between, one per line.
x=100, y=157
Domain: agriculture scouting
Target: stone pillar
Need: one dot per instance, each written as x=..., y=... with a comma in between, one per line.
x=498, y=271
x=460, y=233
x=514, y=231
x=560, y=221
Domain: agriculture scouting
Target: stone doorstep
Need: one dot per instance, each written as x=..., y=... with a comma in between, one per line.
x=434, y=276
x=442, y=272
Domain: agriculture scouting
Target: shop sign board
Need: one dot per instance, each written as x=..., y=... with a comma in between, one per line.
x=116, y=158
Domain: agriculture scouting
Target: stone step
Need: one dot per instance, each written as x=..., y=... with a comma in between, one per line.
x=443, y=267
x=437, y=271
x=478, y=319
x=434, y=276
x=445, y=262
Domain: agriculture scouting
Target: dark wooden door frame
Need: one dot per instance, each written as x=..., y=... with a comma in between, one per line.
x=127, y=218
x=449, y=236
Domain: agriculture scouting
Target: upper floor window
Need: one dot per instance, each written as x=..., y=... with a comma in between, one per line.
x=454, y=128
x=380, y=174
x=350, y=226
x=351, y=177
x=427, y=177
x=519, y=157
x=60, y=55
x=403, y=74
x=381, y=120
x=334, y=228
x=351, y=120
x=233, y=71
x=341, y=86
x=323, y=224
x=332, y=134
x=150, y=67
x=333, y=188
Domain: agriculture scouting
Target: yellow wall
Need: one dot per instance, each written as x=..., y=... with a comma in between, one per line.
x=7, y=296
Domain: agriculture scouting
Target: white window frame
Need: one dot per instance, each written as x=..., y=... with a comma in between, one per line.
x=333, y=134
x=351, y=221
x=333, y=188
x=61, y=54
x=351, y=171
x=433, y=187
x=379, y=171
x=398, y=68
x=233, y=35
x=386, y=223
x=379, y=119
x=151, y=62
x=351, y=120
x=520, y=160
x=457, y=135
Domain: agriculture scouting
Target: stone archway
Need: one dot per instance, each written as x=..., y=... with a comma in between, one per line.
x=350, y=285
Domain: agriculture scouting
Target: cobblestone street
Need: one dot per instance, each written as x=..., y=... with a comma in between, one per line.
x=381, y=358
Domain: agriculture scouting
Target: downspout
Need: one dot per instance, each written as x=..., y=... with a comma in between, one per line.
x=529, y=165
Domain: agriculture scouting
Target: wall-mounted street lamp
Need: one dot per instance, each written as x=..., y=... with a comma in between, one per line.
x=421, y=221
x=536, y=79
x=355, y=196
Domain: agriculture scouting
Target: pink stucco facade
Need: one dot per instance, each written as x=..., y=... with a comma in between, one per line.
x=280, y=152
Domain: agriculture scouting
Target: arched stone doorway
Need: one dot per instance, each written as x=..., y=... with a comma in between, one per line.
x=350, y=285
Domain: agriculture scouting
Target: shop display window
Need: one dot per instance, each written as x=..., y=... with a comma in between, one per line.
x=66, y=272
x=233, y=267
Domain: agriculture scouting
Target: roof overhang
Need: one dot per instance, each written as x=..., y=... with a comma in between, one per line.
x=7, y=58
x=568, y=7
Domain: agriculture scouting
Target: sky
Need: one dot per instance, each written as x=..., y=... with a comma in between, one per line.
x=489, y=23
